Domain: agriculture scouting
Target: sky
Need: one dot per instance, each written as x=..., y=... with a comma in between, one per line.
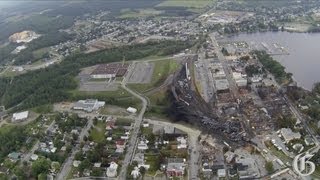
x=8, y=3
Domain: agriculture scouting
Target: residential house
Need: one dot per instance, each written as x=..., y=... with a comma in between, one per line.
x=175, y=167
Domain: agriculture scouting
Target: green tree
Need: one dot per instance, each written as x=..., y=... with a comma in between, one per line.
x=84, y=165
x=142, y=170
x=40, y=166
x=269, y=167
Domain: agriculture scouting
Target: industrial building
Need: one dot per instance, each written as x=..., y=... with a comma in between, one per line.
x=88, y=105
x=21, y=116
x=221, y=85
x=288, y=135
x=240, y=79
x=104, y=71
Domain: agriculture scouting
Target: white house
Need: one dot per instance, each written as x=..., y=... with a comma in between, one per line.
x=182, y=143
x=132, y=110
x=112, y=170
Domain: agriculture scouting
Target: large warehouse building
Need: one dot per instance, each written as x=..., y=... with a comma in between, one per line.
x=105, y=71
x=21, y=116
x=88, y=105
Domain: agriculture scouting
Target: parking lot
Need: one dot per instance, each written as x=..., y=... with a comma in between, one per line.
x=142, y=73
x=86, y=83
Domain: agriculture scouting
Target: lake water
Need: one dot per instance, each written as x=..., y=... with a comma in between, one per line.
x=303, y=60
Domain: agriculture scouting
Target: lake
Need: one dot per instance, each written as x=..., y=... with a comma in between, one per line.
x=303, y=60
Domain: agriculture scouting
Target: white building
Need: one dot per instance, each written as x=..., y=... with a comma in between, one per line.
x=221, y=84
x=112, y=170
x=20, y=116
x=88, y=105
x=241, y=79
x=143, y=145
x=132, y=110
x=34, y=157
x=222, y=173
x=182, y=143
x=135, y=173
x=288, y=135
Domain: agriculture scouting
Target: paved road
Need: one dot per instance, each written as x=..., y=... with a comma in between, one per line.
x=135, y=131
x=68, y=163
x=232, y=84
x=205, y=77
x=193, y=135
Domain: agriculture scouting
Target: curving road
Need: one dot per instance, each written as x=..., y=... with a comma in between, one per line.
x=134, y=133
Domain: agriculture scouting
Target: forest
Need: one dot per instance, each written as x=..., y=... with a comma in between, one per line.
x=51, y=84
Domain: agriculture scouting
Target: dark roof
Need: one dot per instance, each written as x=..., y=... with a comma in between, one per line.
x=216, y=167
x=121, y=72
x=115, y=68
x=241, y=167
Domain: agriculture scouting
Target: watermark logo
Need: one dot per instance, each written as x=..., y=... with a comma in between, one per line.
x=302, y=164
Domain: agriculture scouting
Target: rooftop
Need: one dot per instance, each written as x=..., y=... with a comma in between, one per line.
x=221, y=84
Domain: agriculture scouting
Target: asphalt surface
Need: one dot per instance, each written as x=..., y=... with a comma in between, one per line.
x=142, y=72
x=193, y=146
x=66, y=167
x=232, y=84
x=205, y=77
x=134, y=134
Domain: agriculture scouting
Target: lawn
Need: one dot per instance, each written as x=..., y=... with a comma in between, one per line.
x=137, y=13
x=123, y=122
x=38, y=54
x=186, y=3
x=120, y=93
x=9, y=73
x=98, y=132
x=162, y=69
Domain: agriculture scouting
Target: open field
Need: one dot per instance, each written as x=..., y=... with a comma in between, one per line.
x=114, y=110
x=98, y=132
x=186, y=3
x=120, y=93
x=8, y=72
x=162, y=69
x=137, y=13
x=38, y=54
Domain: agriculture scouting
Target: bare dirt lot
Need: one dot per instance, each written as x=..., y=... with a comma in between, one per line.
x=142, y=73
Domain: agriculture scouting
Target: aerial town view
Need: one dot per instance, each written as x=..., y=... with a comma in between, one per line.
x=160, y=89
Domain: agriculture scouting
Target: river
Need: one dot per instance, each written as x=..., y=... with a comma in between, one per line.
x=303, y=58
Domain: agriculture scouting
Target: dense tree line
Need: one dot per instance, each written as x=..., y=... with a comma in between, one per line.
x=5, y=52
x=11, y=139
x=3, y=84
x=51, y=84
x=273, y=66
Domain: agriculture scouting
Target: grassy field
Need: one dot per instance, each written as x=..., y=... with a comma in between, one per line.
x=120, y=93
x=98, y=132
x=162, y=69
x=186, y=3
x=40, y=52
x=9, y=73
x=129, y=13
